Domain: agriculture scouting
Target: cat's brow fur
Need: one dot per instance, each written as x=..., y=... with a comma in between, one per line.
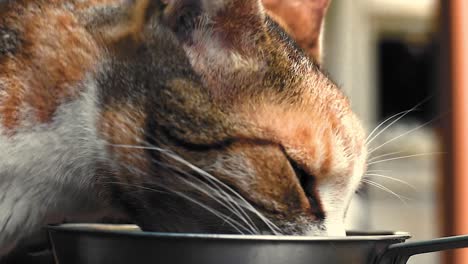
x=102, y=101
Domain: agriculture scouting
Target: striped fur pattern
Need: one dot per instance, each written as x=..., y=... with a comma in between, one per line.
x=184, y=115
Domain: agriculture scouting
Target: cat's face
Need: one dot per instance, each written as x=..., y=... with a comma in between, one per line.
x=212, y=119
x=244, y=134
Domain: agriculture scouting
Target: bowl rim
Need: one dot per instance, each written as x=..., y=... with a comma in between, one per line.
x=135, y=231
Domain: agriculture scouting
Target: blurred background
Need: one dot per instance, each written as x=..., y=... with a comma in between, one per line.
x=402, y=64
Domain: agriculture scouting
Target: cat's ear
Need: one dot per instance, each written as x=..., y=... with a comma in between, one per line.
x=128, y=32
x=234, y=23
x=303, y=19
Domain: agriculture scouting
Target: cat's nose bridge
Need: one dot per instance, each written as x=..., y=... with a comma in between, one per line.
x=335, y=148
x=326, y=140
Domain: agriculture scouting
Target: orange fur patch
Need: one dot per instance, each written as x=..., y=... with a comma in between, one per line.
x=320, y=133
x=122, y=126
x=55, y=55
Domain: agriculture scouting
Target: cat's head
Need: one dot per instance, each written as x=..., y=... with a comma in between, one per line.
x=217, y=122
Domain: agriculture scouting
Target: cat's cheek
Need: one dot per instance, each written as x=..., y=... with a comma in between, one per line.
x=274, y=185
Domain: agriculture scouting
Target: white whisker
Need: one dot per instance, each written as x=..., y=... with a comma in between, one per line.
x=373, y=171
x=132, y=146
x=218, y=214
x=402, y=135
x=405, y=157
x=275, y=230
x=380, y=186
x=272, y=226
x=228, y=202
x=401, y=115
x=222, y=216
x=134, y=186
x=137, y=171
x=237, y=209
x=391, y=178
x=384, y=155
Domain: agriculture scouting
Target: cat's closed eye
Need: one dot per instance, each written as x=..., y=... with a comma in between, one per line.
x=309, y=186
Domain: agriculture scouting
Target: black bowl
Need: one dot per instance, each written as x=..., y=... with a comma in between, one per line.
x=119, y=244
x=127, y=244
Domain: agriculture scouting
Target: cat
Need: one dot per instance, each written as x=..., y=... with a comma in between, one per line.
x=198, y=116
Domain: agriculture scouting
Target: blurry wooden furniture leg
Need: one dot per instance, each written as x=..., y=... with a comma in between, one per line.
x=455, y=80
